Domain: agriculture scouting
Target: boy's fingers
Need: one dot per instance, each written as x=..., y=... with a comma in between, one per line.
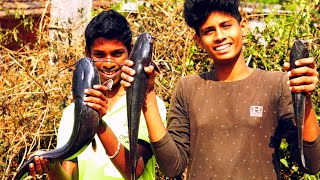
x=303, y=71
x=94, y=95
x=101, y=108
x=303, y=80
x=96, y=103
x=126, y=77
x=127, y=62
x=309, y=62
x=305, y=88
x=125, y=84
x=303, y=84
x=43, y=165
x=149, y=69
x=38, y=165
x=286, y=66
x=32, y=169
x=128, y=70
x=306, y=62
x=100, y=87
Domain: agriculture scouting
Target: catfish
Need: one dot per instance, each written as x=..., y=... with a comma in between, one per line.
x=141, y=55
x=299, y=51
x=86, y=119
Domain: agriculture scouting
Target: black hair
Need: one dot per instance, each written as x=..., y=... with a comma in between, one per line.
x=110, y=25
x=196, y=12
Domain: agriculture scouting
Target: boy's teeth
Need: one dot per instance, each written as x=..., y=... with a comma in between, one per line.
x=107, y=72
x=222, y=47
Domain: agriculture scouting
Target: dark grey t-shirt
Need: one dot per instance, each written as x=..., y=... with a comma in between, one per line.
x=226, y=130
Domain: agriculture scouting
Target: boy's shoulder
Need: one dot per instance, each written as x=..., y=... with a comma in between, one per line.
x=209, y=75
x=195, y=77
x=270, y=76
x=270, y=73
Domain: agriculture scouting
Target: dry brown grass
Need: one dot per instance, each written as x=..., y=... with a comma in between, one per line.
x=33, y=94
x=174, y=39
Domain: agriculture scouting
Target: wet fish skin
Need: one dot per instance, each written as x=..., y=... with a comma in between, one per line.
x=86, y=119
x=141, y=55
x=299, y=51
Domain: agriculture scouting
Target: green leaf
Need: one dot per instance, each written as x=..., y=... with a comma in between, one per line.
x=284, y=162
x=295, y=168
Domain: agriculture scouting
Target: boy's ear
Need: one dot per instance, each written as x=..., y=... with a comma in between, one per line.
x=244, y=24
x=198, y=40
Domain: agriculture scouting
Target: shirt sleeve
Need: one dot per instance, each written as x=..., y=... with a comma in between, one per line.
x=65, y=126
x=172, y=152
x=312, y=156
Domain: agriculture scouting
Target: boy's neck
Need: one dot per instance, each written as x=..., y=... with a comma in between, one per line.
x=117, y=90
x=114, y=95
x=232, y=72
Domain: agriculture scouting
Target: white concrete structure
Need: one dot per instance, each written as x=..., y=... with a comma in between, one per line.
x=69, y=19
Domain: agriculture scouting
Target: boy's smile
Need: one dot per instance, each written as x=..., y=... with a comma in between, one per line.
x=221, y=36
x=222, y=47
x=110, y=73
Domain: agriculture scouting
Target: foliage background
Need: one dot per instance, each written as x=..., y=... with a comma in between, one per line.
x=35, y=84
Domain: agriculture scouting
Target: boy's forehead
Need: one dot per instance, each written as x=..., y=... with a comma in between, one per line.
x=104, y=41
x=216, y=17
x=219, y=14
x=108, y=40
x=103, y=44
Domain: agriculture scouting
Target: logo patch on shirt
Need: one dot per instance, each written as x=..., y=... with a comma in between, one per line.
x=256, y=111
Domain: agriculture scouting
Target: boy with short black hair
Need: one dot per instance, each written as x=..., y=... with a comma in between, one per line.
x=108, y=43
x=228, y=123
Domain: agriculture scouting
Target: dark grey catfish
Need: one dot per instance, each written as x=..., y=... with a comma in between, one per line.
x=86, y=119
x=141, y=55
x=299, y=51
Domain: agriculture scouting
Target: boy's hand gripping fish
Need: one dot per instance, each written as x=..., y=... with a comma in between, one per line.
x=86, y=119
x=299, y=51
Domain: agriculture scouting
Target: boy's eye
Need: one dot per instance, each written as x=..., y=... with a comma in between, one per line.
x=208, y=31
x=99, y=54
x=226, y=25
x=117, y=53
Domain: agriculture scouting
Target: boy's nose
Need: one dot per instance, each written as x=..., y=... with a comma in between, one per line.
x=219, y=35
x=109, y=64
